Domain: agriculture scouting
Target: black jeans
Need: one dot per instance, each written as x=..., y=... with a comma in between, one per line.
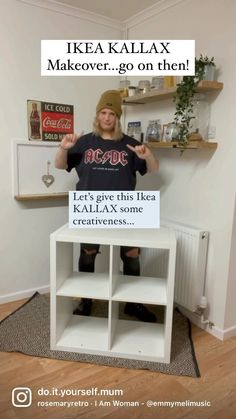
x=131, y=265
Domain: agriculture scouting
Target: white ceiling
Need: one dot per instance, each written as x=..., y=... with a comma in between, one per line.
x=115, y=9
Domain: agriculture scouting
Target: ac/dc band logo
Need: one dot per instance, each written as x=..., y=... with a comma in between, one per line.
x=98, y=156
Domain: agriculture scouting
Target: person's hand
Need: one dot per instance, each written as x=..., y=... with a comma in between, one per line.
x=142, y=151
x=69, y=140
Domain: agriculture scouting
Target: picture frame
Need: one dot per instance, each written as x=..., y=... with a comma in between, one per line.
x=49, y=121
x=34, y=173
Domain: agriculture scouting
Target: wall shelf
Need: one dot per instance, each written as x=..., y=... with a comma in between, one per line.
x=38, y=197
x=32, y=160
x=156, y=95
x=192, y=145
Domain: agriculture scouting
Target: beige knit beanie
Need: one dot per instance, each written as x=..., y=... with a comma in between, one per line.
x=111, y=99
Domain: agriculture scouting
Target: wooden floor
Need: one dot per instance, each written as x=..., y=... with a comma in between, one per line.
x=216, y=389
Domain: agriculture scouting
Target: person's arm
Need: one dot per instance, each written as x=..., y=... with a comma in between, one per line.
x=144, y=152
x=67, y=142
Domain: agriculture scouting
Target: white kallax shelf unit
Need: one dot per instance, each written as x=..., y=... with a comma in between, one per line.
x=110, y=335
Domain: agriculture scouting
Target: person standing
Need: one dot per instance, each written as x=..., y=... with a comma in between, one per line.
x=107, y=160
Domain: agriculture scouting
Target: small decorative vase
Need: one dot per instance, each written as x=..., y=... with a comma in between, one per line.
x=201, y=117
x=209, y=73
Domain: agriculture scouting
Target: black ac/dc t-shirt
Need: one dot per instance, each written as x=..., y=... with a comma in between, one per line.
x=106, y=165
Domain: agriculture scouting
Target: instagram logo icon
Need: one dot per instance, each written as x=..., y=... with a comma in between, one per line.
x=21, y=397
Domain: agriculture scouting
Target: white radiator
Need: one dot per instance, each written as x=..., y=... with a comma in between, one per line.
x=191, y=259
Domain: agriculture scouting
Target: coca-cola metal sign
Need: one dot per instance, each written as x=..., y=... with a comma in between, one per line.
x=49, y=121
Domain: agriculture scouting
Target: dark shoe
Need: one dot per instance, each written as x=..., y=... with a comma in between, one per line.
x=140, y=311
x=84, y=308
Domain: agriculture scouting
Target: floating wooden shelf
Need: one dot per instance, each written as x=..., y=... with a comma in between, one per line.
x=31, y=197
x=155, y=95
x=194, y=145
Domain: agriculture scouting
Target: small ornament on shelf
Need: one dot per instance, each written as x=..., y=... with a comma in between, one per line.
x=153, y=132
x=134, y=130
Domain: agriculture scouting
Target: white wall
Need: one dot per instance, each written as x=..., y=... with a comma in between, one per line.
x=25, y=228
x=199, y=187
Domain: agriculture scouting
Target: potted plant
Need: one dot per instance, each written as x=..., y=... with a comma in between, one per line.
x=184, y=98
x=207, y=67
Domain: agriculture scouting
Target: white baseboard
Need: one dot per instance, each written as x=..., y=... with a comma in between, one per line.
x=20, y=295
x=229, y=333
x=221, y=334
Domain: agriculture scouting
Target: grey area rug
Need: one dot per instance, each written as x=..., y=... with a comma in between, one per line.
x=27, y=330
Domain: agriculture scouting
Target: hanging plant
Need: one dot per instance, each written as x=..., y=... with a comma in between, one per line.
x=184, y=96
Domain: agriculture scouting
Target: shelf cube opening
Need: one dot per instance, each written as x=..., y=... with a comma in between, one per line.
x=81, y=332
x=132, y=336
x=101, y=259
x=154, y=262
x=150, y=286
